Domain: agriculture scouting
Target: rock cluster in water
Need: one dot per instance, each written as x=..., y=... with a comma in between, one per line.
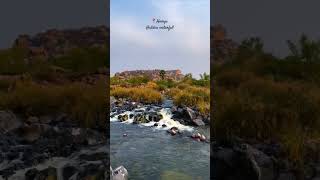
x=257, y=161
x=49, y=147
x=141, y=113
x=184, y=115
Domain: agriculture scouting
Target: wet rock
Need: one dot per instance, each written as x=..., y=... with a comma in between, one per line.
x=7, y=172
x=131, y=116
x=61, y=117
x=1, y=157
x=94, y=157
x=49, y=173
x=234, y=164
x=156, y=124
x=190, y=113
x=32, y=120
x=31, y=174
x=46, y=119
x=8, y=121
x=120, y=173
x=173, y=131
x=154, y=116
x=12, y=156
x=92, y=171
x=30, y=133
x=198, y=122
x=125, y=117
x=163, y=125
x=140, y=118
x=68, y=171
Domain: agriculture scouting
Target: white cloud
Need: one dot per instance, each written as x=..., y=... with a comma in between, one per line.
x=186, y=47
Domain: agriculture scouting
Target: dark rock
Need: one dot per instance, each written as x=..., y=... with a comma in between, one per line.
x=92, y=171
x=12, y=156
x=156, y=124
x=61, y=117
x=31, y=174
x=68, y=171
x=94, y=157
x=234, y=164
x=5, y=173
x=163, y=125
x=173, y=131
x=140, y=118
x=190, y=113
x=46, y=119
x=33, y=120
x=131, y=116
x=1, y=157
x=198, y=122
x=30, y=133
x=8, y=121
x=125, y=117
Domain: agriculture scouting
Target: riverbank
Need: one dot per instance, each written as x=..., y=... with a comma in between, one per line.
x=51, y=146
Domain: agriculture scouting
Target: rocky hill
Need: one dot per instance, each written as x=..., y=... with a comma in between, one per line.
x=56, y=42
x=222, y=47
x=152, y=74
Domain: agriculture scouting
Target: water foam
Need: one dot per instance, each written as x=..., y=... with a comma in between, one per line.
x=166, y=120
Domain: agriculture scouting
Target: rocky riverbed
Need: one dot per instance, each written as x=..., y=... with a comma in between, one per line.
x=239, y=160
x=159, y=141
x=51, y=147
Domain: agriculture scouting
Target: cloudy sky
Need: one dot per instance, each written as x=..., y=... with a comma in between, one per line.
x=186, y=47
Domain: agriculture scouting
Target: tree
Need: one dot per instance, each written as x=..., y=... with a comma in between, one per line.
x=188, y=76
x=205, y=77
x=254, y=44
x=162, y=74
x=305, y=49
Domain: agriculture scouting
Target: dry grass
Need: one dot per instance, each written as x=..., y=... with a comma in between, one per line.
x=85, y=103
x=142, y=94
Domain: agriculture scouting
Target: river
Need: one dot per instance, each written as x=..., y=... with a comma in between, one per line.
x=149, y=152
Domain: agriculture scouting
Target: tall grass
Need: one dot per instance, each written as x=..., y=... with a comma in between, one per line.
x=265, y=99
x=86, y=104
x=196, y=97
x=143, y=94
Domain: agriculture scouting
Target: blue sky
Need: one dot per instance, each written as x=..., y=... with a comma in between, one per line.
x=186, y=47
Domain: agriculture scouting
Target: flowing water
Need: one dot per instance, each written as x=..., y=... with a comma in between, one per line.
x=149, y=152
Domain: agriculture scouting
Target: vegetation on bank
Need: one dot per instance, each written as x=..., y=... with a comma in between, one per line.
x=79, y=61
x=258, y=96
x=186, y=92
x=28, y=86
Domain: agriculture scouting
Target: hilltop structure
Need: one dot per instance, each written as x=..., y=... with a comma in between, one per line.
x=152, y=74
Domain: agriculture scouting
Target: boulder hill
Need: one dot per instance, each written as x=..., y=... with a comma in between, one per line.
x=58, y=42
x=152, y=74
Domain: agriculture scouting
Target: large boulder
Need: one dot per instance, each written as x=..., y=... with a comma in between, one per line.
x=120, y=173
x=235, y=164
x=34, y=174
x=198, y=122
x=8, y=121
